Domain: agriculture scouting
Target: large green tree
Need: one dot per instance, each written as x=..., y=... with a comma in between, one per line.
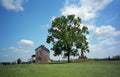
x=67, y=36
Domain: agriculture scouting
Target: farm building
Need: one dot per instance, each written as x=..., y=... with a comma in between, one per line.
x=42, y=54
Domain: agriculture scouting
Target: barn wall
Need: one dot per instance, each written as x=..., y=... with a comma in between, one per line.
x=42, y=56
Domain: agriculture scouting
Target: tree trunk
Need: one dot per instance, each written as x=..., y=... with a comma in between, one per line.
x=68, y=57
x=82, y=54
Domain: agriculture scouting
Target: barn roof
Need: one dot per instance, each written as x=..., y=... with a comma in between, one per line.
x=42, y=47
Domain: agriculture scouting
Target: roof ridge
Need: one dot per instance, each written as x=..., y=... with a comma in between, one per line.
x=42, y=47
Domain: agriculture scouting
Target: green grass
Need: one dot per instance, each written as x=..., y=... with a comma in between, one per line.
x=82, y=69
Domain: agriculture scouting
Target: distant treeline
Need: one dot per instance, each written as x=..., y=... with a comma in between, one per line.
x=117, y=57
x=9, y=63
x=114, y=58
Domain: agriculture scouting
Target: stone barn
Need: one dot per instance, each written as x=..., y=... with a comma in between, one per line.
x=42, y=54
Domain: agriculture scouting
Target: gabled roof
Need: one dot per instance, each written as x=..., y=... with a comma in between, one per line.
x=42, y=47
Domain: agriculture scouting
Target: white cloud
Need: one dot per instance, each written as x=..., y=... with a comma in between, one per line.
x=103, y=32
x=53, y=17
x=113, y=18
x=21, y=50
x=90, y=27
x=15, y=5
x=6, y=56
x=107, y=42
x=104, y=43
x=86, y=9
x=45, y=26
x=25, y=42
x=22, y=47
x=14, y=49
x=104, y=48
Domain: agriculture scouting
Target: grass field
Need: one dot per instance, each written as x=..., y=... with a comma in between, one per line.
x=82, y=69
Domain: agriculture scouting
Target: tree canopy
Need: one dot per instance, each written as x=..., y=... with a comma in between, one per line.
x=67, y=36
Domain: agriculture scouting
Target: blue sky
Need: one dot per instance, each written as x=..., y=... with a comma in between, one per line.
x=24, y=26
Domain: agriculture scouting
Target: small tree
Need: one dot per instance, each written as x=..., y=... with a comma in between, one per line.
x=33, y=58
x=67, y=35
x=19, y=61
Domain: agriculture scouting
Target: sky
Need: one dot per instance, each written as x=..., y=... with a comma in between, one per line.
x=24, y=26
